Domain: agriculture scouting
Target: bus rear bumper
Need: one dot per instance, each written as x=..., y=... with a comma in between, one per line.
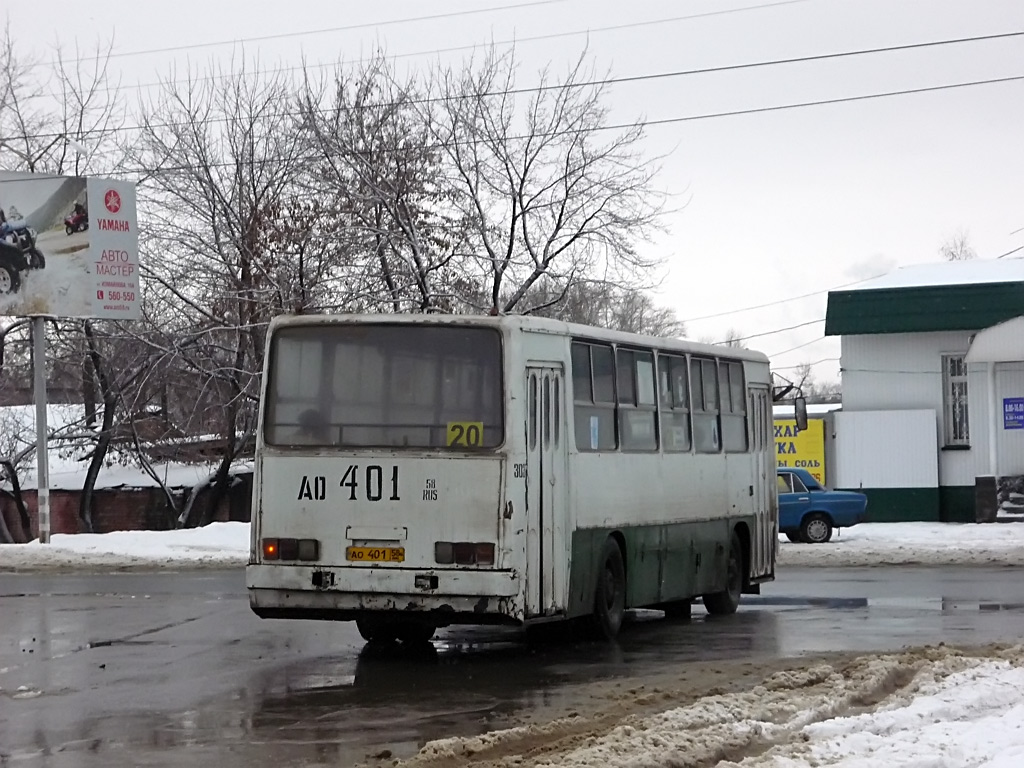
x=346, y=593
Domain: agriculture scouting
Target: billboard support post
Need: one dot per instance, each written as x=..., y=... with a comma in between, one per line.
x=42, y=430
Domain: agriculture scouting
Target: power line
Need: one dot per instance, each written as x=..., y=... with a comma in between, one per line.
x=327, y=30
x=798, y=346
x=793, y=367
x=772, y=333
x=781, y=301
x=474, y=46
x=1018, y=248
x=617, y=126
x=646, y=123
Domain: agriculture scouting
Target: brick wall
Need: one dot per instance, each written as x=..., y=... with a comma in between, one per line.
x=122, y=509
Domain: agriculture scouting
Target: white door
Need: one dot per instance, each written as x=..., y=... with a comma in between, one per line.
x=547, y=555
x=762, y=445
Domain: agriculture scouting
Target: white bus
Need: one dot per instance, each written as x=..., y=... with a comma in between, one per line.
x=414, y=472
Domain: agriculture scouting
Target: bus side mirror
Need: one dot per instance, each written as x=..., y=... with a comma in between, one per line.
x=800, y=411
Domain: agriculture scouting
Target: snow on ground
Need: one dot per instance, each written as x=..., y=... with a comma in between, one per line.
x=932, y=708
x=217, y=544
x=912, y=544
x=227, y=544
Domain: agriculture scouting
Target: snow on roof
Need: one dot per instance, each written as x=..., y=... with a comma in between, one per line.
x=948, y=273
x=173, y=475
x=813, y=409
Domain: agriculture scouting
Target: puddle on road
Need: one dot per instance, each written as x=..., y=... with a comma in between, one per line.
x=389, y=701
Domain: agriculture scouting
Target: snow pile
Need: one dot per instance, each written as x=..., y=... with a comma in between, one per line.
x=924, y=708
x=912, y=544
x=214, y=545
x=975, y=717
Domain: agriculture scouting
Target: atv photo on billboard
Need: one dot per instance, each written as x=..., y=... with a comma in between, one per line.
x=69, y=247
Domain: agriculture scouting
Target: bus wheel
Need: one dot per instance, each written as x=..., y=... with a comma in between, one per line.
x=610, y=595
x=415, y=632
x=375, y=629
x=728, y=600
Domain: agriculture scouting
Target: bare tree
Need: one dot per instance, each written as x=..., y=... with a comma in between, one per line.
x=375, y=158
x=220, y=167
x=549, y=188
x=61, y=120
x=816, y=391
x=957, y=247
x=603, y=305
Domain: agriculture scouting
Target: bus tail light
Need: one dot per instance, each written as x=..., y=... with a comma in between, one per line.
x=291, y=549
x=485, y=554
x=463, y=553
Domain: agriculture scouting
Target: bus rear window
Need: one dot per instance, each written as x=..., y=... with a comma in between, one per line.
x=403, y=386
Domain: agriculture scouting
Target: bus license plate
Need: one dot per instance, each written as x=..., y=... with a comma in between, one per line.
x=375, y=554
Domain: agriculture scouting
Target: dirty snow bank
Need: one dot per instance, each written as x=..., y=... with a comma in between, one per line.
x=922, y=708
x=214, y=545
x=912, y=544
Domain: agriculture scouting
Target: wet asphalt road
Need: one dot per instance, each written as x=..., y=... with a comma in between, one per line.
x=173, y=669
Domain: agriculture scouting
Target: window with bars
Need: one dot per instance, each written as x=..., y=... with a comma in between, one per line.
x=954, y=395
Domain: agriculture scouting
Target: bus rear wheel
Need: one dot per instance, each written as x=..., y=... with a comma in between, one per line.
x=415, y=632
x=728, y=600
x=376, y=629
x=610, y=594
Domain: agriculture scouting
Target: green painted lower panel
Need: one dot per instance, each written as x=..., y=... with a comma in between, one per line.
x=946, y=504
x=956, y=504
x=666, y=562
x=901, y=505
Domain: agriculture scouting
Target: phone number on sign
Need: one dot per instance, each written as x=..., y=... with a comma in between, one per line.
x=120, y=296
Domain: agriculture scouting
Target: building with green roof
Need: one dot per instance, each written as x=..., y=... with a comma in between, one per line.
x=932, y=365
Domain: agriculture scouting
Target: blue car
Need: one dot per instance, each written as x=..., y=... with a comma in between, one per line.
x=808, y=511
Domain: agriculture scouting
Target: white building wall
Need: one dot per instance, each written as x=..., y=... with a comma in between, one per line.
x=1009, y=442
x=903, y=371
x=885, y=449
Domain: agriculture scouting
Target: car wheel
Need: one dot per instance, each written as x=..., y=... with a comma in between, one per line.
x=728, y=600
x=816, y=528
x=793, y=536
x=10, y=280
x=610, y=594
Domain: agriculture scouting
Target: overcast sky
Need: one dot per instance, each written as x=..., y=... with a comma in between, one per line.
x=771, y=205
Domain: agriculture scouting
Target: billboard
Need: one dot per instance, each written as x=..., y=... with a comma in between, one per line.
x=804, y=449
x=69, y=247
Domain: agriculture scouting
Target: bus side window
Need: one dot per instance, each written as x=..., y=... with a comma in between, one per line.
x=734, y=408
x=704, y=381
x=637, y=401
x=593, y=377
x=675, y=402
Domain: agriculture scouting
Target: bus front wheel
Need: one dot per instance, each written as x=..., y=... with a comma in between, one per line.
x=610, y=595
x=728, y=600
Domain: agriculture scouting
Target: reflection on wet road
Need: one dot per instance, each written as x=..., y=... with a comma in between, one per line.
x=173, y=669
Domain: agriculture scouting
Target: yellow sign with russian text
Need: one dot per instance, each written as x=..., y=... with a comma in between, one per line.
x=805, y=449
